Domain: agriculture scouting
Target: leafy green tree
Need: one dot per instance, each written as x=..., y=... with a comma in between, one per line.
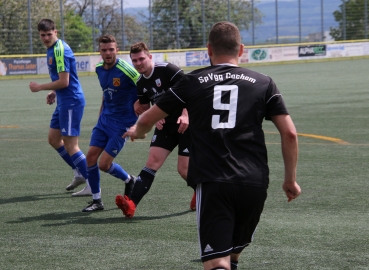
x=108, y=20
x=190, y=25
x=77, y=33
x=351, y=20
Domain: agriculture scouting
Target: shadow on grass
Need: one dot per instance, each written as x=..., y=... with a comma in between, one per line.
x=89, y=218
x=34, y=198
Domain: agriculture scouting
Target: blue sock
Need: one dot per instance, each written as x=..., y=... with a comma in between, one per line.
x=79, y=160
x=117, y=171
x=64, y=155
x=94, y=178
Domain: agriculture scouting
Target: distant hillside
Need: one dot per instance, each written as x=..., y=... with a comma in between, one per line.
x=288, y=20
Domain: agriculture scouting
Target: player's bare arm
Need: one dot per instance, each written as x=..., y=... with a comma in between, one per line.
x=63, y=82
x=145, y=123
x=183, y=121
x=289, y=143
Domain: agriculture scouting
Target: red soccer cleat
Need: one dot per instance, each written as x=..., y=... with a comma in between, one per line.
x=125, y=204
x=193, y=202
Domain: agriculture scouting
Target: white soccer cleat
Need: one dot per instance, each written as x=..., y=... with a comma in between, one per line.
x=77, y=181
x=84, y=192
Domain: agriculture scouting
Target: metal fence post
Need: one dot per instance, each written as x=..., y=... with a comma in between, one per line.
x=203, y=23
x=300, y=21
x=122, y=11
x=177, y=26
x=30, y=28
x=62, y=18
x=344, y=19
x=150, y=26
x=276, y=22
x=366, y=18
x=322, y=17
x=93, y=26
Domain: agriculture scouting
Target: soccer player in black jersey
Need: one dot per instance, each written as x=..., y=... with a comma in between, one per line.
x=171, y=131
x=228, y=161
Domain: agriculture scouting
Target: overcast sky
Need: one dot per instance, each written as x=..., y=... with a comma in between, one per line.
x=135, y=3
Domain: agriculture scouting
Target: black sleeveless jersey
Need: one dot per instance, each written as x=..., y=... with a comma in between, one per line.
x=226, y=106
x=151, y=88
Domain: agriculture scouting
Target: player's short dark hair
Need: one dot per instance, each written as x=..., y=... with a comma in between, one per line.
x=139, y=47
x=46, y=25
x=107, y=39
x=225, y=39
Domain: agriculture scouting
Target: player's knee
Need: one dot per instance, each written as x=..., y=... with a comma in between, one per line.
x=154, y=162
x=103, y=166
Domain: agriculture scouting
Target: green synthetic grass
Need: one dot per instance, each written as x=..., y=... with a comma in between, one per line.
x=42, y=226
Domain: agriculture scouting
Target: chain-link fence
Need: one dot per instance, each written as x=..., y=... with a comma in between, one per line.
x=179, y=24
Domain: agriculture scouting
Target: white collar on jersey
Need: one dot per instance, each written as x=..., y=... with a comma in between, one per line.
x=226, y=64
x=152, y=71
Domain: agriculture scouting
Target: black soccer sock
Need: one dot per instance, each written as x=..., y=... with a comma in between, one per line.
x=142, y=185
x=234, y=265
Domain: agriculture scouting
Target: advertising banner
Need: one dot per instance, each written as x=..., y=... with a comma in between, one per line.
x=284, y=53
x=353, y=49
x=312, y=50
x=83, y=63
x=335, y=50
x=23, y=66
x=259, y=55
x=244, y=59
x=178, y=59
x=197, y=58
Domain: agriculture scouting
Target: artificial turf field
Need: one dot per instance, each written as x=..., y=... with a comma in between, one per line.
x=327, y=227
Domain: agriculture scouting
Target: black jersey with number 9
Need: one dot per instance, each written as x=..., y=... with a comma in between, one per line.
x=226, y=105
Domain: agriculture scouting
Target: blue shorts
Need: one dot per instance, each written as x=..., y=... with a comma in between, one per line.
x=108, y=137
x=68, y=121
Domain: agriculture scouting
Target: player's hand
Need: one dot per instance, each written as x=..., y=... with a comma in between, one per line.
x=132, y=134
x=140, y=108
x=50, y=98
x=183, y=123
x=160, y=124
x=292, y=190
x=34, y=87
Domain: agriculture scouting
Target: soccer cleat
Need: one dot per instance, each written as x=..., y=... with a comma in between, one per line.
x=129, y=186
x=84, y=192
x=193, y=202
x=94, y=206
x=77, y=181
x=125, y=204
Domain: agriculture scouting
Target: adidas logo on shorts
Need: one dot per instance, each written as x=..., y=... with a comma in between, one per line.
x=186, y=151
x=208, y=248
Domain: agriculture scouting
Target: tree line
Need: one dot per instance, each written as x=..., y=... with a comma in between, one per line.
x=170, y=24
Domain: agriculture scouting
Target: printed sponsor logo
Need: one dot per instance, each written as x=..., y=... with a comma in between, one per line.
x=313, y=50
x=259, y=54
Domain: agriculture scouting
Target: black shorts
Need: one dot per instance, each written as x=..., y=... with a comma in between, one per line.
x=168, y=138
x=227, y=216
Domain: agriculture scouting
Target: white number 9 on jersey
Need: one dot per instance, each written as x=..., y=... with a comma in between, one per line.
x=231, y=107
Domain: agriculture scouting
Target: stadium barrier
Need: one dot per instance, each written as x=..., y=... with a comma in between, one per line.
x=36, y=64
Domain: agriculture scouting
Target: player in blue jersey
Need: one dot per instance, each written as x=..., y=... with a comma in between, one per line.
x=118, y=82
x=66, y=89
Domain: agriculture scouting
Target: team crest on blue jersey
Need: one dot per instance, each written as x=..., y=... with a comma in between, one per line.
x=153, y=138
x=158, y=82
x=50, y=60
x=116, y=81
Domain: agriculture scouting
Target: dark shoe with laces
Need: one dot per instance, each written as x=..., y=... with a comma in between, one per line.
x=129, y=186
x=95, y=205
